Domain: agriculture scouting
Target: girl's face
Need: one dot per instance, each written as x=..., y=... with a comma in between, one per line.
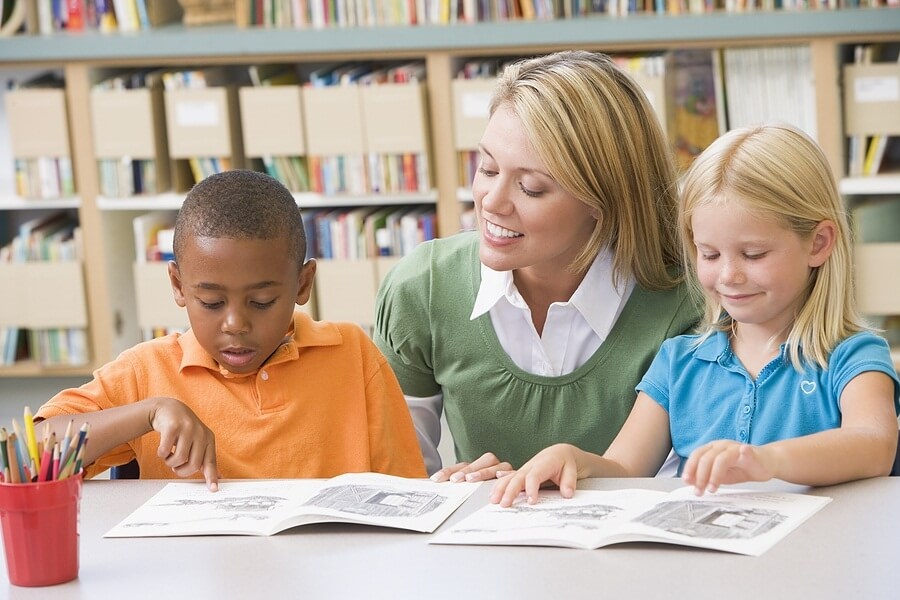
x=527, y=219
x=757, y=269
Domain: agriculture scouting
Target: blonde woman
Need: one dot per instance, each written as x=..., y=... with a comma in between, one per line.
x=536, y=328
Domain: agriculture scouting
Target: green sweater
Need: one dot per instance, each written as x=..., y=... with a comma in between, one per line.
x=491, y=405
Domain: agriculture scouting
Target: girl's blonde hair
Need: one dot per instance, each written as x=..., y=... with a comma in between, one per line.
x=777, y=171
x=597, y=135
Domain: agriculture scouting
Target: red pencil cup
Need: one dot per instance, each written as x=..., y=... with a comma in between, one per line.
x=40, y=530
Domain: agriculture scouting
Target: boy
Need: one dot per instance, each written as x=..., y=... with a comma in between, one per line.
x=254, y=389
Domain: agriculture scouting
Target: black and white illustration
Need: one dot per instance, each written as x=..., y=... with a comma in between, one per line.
x=377, y=501
x=711, y=519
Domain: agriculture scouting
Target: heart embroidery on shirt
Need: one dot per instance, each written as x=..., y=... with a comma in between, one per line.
x=808, y=387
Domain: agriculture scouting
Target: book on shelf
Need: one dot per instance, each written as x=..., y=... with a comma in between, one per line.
x=267, y=507
x=696, y=112
x=731, y=520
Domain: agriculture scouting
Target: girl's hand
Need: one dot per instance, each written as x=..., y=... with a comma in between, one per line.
x=186, y=444
x=484, y=468
x=558, y=464
x=726, y=461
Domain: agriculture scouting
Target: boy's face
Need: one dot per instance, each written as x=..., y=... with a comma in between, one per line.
x=240, y=296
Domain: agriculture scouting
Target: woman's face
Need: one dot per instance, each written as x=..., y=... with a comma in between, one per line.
x=527, y=220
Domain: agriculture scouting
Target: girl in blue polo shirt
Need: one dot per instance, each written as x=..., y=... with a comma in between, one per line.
x=783, y=379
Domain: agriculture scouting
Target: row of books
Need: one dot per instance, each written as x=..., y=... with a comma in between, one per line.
x=44, y=177
x=369, y=13
x=367, y=232
x=52, y=237
x=46, y=16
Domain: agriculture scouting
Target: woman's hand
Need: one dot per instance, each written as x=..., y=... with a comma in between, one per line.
x=482, y=469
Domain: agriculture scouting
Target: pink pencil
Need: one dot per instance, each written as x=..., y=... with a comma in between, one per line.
x=55, y=461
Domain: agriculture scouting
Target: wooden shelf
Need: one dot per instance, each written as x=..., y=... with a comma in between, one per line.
x=873, y=185
x=304, y=200
x=10, y=202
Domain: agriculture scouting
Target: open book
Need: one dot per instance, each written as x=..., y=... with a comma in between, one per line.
x=732, y=520
x=265, y=507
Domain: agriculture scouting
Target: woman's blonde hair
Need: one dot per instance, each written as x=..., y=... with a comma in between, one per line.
x=597, y=135
x=777, y=171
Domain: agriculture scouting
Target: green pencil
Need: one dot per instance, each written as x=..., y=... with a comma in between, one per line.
x=3, y=454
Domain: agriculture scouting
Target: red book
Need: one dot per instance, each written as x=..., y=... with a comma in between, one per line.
x=76, y=15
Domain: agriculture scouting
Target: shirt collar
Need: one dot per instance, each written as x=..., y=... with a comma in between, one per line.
x=596, y=299
x=717, y=345
x=303, y=332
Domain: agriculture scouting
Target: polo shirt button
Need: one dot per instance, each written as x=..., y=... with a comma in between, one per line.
x=743, y=435
x=264, y=375
x=746, y=409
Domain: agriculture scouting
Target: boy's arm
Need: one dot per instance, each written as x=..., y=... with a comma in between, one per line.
x=186, y=444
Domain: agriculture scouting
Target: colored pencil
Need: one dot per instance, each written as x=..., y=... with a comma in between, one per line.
x=14, y=472
x=64, y=449
x=4, y=456
x=56, y=461
x=30, y=437
x=46, y=462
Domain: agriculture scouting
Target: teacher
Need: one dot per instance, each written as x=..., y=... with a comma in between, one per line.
x=535, y=329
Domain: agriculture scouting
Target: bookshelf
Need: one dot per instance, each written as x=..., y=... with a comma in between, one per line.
x=83, y=56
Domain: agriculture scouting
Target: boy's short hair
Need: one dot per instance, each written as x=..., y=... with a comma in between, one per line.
x=241, y=204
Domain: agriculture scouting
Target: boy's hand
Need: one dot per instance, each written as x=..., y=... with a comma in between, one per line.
x=726, y=461
x=186, y=444
x=558, y=464
x=481, y=469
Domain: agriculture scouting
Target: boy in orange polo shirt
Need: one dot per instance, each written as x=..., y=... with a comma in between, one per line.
x=256, y=388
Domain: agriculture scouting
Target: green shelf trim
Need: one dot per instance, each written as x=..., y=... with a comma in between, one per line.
x=647, y=31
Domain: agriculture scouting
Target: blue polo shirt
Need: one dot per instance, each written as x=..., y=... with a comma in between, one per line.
x=709, y=395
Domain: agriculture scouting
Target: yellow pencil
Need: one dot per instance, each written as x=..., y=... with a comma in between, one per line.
x=30, y=438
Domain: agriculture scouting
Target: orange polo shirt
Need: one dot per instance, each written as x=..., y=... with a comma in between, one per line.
x=325, y=403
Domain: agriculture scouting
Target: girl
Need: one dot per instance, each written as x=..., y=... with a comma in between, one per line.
x=783, y=380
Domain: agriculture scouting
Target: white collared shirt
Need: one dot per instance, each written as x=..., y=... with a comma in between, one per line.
x=573, y=330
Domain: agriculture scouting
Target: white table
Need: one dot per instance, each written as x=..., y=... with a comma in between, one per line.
x=849, y=549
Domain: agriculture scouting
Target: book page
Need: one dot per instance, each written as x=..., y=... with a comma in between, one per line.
x=265, y=507
x=732, y=520
x=583, y=521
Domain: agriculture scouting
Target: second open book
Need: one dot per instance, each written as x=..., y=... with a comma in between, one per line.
x=732, y=520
